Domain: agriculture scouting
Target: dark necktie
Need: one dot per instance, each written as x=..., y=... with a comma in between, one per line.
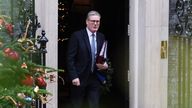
x=92, y=51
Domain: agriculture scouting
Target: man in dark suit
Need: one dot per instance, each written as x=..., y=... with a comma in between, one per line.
x=83, y=48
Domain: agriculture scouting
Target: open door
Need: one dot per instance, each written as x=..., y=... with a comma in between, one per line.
x=114, y=24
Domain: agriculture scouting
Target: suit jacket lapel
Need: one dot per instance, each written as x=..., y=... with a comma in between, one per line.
x=99, y=44
x=86, y=39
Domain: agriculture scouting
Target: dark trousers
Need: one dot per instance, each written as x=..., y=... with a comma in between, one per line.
x=87, y=92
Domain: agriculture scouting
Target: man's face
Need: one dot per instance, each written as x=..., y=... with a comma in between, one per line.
x=93, y=23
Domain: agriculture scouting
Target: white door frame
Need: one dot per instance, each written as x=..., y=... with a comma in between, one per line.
x=148, y=72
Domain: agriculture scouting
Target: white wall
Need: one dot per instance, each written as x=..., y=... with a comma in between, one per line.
x=148, y=72
x=48, y=17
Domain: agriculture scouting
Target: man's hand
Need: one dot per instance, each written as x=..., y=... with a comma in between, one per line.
x=76, y=82
x=102, y=66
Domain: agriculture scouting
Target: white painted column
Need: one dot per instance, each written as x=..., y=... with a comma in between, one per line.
x=148, y=72
x=133, y=55
x=47, y=12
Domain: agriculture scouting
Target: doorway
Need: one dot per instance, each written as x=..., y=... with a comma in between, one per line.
x=114, y=23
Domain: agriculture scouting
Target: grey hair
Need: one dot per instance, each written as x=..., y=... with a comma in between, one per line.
x=92, y=13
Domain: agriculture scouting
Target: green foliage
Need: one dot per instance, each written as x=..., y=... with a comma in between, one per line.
x=18, y=73
x=9, y=97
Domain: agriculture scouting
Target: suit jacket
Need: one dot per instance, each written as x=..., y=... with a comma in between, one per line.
x=79, y=54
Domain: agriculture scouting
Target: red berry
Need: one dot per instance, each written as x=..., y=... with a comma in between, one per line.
x=40, y=81
x=28, y=81
x=9, y=28
x=6, y=51
x=13, y=55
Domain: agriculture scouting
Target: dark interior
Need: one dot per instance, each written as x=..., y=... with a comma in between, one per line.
x=114, y=23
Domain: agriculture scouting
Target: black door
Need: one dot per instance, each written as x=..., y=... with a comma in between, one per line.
x=114, y=23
